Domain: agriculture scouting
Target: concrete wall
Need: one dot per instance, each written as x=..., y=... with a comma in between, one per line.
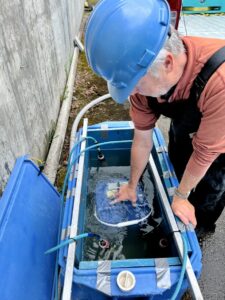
x=36, y=47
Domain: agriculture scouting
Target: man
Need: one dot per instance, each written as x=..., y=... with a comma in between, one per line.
x=174, y=77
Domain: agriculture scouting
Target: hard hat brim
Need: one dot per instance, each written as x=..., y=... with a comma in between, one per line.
x=120, y=95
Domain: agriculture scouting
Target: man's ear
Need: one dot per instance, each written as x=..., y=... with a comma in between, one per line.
x=169, y=63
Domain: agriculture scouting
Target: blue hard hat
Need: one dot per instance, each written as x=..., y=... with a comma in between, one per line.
x=122, y=39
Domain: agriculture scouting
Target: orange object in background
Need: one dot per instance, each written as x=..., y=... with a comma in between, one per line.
x=175, y=6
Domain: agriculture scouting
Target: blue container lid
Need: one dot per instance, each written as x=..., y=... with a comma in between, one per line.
x=29, y=218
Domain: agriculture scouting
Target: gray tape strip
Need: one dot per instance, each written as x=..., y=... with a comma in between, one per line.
x=65, y=233
x=167, y=174
x=104, y=126
x=162, y=273
x=171, y=191
x=161, y=149
x=131, y=124
x=183, y=227
x=103, y=277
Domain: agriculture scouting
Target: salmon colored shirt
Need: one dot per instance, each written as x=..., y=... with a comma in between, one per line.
x=209, y=140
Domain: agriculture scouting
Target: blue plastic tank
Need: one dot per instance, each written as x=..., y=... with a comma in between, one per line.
x=97, y=279
x=29, y=222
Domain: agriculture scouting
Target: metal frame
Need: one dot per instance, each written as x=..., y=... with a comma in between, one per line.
x=76, y=193
x=177, y=235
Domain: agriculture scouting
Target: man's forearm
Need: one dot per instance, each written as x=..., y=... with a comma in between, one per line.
x=139, y=159
x=188, y=182
x=141, y=147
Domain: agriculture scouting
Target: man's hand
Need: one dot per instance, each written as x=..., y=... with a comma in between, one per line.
x=126, y=192
x=184, y=210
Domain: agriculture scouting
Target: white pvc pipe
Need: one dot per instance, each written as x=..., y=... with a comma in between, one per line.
x=54, y=154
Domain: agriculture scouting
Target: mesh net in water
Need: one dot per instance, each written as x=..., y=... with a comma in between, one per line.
x=123, y=213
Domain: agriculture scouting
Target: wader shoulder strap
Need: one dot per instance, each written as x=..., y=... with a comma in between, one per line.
x=209, y=68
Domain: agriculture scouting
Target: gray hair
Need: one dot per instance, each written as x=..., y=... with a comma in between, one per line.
x=174, y=45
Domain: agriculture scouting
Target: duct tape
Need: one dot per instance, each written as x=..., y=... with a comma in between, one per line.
x=131, y=124
x=161, y=149
x=65, y=233
x=167, y=174
x=171, y=190
x=103, y=283
x=182, y=227
x=104, y=126
x=162, y=273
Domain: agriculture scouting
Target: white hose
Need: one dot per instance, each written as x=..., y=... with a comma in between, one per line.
x=80, y=115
